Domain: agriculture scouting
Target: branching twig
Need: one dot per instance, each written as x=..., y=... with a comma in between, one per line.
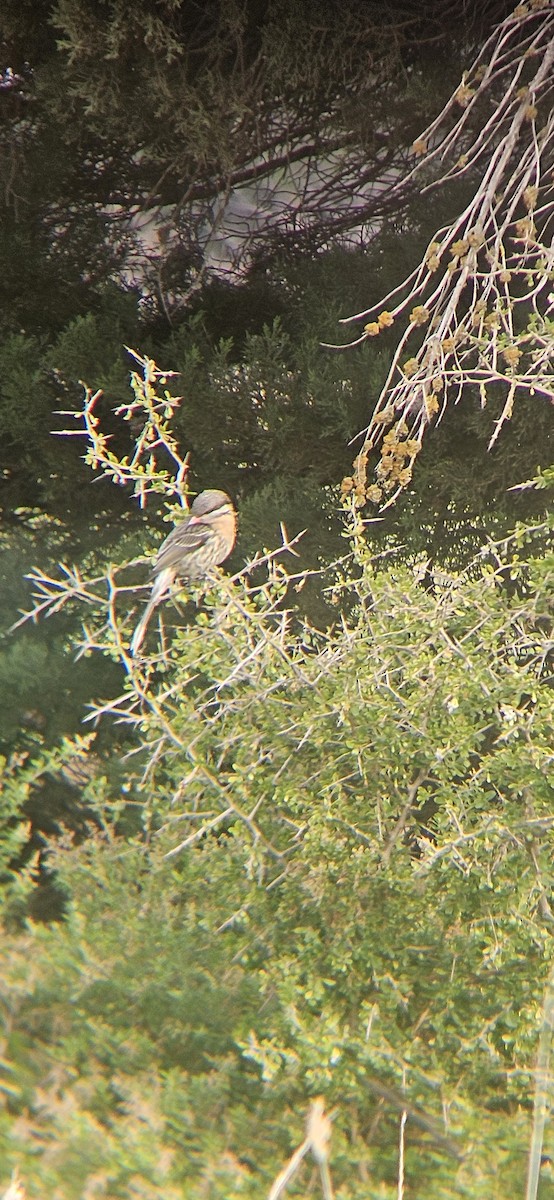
x=483, y=290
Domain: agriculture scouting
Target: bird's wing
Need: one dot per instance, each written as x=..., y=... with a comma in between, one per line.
x=182, y=541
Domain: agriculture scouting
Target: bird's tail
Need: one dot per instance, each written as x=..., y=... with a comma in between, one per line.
x=138, y=636
x=161, y=586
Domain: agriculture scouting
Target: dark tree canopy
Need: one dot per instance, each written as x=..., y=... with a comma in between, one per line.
x=226, y=131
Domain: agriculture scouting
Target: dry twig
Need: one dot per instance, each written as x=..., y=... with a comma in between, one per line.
x=478, y=312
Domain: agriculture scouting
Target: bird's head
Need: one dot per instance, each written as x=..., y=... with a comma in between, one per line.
x=211, y=505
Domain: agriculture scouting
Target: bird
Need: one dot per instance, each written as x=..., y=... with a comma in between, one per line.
x=202, y=540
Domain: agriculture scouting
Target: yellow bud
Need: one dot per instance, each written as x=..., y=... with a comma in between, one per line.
x=511, y=355
x=464, y=95
x=525, y=229
x=374, y=494
x=530, y=197
x=419, y=315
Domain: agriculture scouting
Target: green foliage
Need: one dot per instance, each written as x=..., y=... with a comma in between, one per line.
x=93, y=338
x=15, y=782
x=360, y=906
x=143, y=1032
x=22, y=420
x=43, y=690
x=272, y=411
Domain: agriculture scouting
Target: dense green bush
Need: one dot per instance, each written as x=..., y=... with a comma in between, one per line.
x=360, y=909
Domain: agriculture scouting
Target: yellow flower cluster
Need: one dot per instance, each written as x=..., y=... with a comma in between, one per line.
x=476, y=237
x=464, y=95
x=530, y=197
x=395, y=468
x=523, y=9
x=525, y=229
x=383, y=417
x=432, y=259
x=349, y=486
x=419, y=315
x=511, y=355
x=384, y=320
x=374, y=494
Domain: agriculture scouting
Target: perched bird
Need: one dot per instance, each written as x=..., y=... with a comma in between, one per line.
x=201, y=541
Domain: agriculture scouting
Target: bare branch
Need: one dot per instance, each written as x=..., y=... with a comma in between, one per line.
x=483, y=289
